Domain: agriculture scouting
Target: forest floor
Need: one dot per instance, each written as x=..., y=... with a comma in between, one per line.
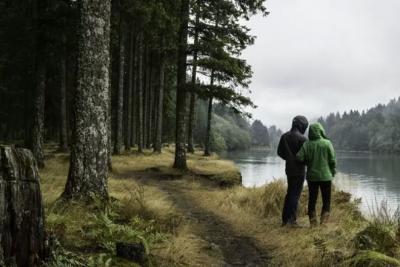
x=203, y=217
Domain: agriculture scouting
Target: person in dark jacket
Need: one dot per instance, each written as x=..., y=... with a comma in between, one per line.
x=289, y=145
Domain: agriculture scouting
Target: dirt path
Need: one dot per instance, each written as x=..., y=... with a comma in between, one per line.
x=236, y=249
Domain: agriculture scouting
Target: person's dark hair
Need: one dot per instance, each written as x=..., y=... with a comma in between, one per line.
x=300, y=123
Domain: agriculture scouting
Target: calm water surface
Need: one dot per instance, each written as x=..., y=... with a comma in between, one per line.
x=373, y=178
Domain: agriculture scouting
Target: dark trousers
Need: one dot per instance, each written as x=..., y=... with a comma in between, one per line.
x=295, y=186
x=313, y=189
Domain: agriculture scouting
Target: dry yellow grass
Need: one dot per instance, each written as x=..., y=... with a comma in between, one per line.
x=256, y=213
x=252, y=212
x=181, y=247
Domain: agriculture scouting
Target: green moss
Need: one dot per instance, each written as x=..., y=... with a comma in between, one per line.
x=377, y=237
x=372, y=259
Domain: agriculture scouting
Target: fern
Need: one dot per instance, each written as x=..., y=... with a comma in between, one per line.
x=102, y=260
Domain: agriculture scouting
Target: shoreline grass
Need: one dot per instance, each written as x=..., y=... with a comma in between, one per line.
x=142, y=211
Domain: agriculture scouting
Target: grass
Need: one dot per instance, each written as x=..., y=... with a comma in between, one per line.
x=144, y=212
x=137, y=212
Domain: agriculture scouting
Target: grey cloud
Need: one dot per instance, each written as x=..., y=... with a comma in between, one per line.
x=319, y=56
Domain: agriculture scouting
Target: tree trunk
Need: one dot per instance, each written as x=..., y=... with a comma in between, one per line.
x=160, y=103
x=140, y=95
x=146, y=98
x=89, y=155
x=119, y=134
x=37, y=129
x=150, y=111
x=180, y=134
x=134, y=92
x=22, y=235
x=207, y=149
x=192, y=108
x=63, y=99
x=36, y=144
x=129, y=108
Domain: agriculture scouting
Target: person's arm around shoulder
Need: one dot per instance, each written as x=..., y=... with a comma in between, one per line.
x=332, y=159
x=282, y=148
x=302, y=154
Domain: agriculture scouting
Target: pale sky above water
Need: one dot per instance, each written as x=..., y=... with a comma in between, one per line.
x=313, y=57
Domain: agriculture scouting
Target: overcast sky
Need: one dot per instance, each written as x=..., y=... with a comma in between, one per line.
x=314, y=57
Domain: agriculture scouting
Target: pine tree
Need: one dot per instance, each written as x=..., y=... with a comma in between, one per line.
x=180, y=131
x=90, y=148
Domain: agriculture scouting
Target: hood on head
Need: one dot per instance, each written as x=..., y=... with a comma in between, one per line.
x=316, y=132
x=300, y=123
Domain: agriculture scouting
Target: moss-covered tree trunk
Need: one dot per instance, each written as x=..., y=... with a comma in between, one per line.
x=90, y=149
x=180, y=132
x=22, y=235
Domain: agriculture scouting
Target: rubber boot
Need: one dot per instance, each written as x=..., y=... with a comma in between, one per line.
x=313, y=220
x=325, y=217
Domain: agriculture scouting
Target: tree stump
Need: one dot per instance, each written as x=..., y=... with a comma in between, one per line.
x=22, y=235
x=134, y=252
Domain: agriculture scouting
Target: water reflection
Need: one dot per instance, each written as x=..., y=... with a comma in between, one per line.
x=374, y=178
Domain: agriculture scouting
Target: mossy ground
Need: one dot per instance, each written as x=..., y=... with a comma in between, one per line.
x=188, y=219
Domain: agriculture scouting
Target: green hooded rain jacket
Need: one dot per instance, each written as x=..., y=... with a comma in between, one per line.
x=318, y=154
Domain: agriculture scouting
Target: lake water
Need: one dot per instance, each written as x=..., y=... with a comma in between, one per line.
x=373, y=178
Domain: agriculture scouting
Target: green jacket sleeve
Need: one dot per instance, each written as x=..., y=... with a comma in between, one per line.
x=332, y=159
x=301, y=155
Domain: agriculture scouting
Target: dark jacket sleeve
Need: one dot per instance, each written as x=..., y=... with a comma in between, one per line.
x=303, y=139
x=302, y=155
x=282, y=149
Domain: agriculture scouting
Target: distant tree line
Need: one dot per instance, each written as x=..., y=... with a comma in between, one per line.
x=235, y=131
x=102, y=77
x=377, y=129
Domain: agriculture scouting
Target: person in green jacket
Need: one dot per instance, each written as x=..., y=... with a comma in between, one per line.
x=319, y=156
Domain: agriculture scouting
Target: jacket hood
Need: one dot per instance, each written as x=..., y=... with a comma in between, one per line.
x=300, y=123
x=316, y=132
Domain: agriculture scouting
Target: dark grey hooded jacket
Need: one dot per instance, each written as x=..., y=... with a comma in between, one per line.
x=290, y=145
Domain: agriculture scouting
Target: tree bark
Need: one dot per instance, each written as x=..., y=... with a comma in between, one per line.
x=192, y=108
x=180, y=131
x=146, y=98
x=207, y=148
x=119, y=133
x=150, y=111
x=129, y=108
x=63, y=98
x=88, y=171
x=22, y=235
x=37, y=130
x=38, y=114
x=134, y=92
x=140, y=95
x=160, y=103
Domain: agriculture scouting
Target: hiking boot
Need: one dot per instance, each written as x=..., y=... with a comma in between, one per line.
x=313, y=220
x=325, y=217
